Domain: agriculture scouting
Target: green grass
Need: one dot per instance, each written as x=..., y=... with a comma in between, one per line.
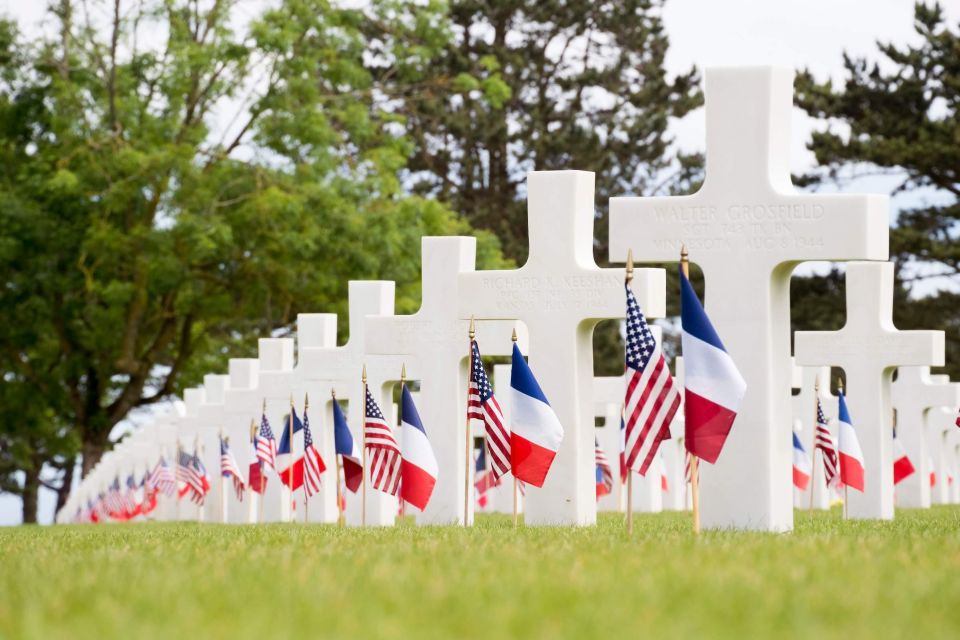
x=829, y=579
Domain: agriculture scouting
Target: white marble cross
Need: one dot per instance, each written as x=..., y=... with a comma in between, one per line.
x=210, y=424
x=341, y=368
x=868, y=349
x=747, y=228
x=188, y=429
x=805, y=410
x=242, y=403
x=940, y=424
x=434, y=342
x=275, y=387
x=560, y=295
x=913, y=393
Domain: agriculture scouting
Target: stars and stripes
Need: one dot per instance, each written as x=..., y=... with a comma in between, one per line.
x=193, y=474
x=383, y=454
x=266, y=444
x=162, y=478
x=313, y=464
x=603, y=469
x=230, y=469
x=482, y=405
x=823, y=441
x=485, y=478
x=651, y=398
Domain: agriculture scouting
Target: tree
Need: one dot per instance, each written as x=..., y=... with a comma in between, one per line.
x=901, y=118
x=149, y=235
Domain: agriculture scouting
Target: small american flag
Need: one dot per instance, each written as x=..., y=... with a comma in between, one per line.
x=230, y=469
x=823, y=440
x=651, y=399
x=313, y=464
x=191, y=472
x=483, y=405
x=266, y=443
x=604, y=470
x=114, y=499
x=162, y=479
x=385, y=457
x=485, y=479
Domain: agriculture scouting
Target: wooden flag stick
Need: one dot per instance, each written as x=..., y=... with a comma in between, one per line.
x=468, y=459
x=845, y=494
x=363, y=425
x=223, y=486
x=813, y=452
x=403, y=384
x=694, y=483
x=336, y=458
x=628, y=279
x=259, y=496
x=515, y=481
x=290, y=468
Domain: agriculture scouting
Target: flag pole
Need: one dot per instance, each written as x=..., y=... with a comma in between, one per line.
x=515, y=487
x=263, y=479
x=252, y=510
x=471, y=334
x=813, y=451
x=306, y=498
x=363, y=425
x=336, y=459
x=223, y=488
x=694, y=480
x=839, y=466
x=627, y=280
x=403, y=383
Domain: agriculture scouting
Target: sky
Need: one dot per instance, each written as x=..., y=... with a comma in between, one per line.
x=811, y=34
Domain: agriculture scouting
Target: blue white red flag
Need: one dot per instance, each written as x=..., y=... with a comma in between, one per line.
x=535, y=430
x=289, y=464
x=851, y=456
x=714, y=387
x=902, y=466
x=347, y=449
x=604, y=471
x=419, y=469
x=801, y=465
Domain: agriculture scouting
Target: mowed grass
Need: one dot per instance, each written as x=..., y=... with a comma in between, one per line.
x=828, y=579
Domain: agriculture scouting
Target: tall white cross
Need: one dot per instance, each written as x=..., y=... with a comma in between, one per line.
x=276, y=359
x=868, y=349
x=241, y=406
x=913, y=393
x=940, y=424
x=210, y=418
x=340, y=367
x=560, y=295
x=747, y=229
x=435, y=341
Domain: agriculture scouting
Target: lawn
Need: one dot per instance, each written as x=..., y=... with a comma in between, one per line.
x=829, y=579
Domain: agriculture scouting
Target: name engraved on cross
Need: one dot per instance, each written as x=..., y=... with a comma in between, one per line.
x=747, y=229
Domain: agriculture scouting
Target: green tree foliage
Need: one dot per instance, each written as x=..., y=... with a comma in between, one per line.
x=533, y=84
x=899, y=116
x=174, y=183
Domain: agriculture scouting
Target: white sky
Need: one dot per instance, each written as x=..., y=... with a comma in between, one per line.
x=795, y=33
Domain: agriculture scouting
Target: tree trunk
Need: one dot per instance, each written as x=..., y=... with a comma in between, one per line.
x=92, y=452
x=31, y=486
x=64, y=491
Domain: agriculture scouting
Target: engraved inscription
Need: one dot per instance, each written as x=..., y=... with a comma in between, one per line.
x=755, y=227
x=548, y=294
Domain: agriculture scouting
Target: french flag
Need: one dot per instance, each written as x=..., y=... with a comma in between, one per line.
x=418, y=469
x=902, y=467
x=536, y=432
x=851, y=457
x=801, y=465
x=289, y=465
x=347, y=450
x=713, y=384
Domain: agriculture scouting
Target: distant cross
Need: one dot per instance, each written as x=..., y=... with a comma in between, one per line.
x=868, y=348
x=560, y=295
x=747, y=229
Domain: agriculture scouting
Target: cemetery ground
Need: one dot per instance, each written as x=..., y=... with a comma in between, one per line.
x=829, y=579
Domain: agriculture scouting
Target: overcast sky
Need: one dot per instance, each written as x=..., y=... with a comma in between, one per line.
x=794, y=33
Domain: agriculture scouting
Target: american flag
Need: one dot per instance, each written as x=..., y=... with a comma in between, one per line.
x=114, y=500
x=385, y=458
x=190, y=471
x=651, y=399
x=485, y=479
x=230, y=469
x=823, y=440
x=313, y=464
x=132, y=504
x=483, y=405
x=162, y=479
x=604, y=470
x=266, y=443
